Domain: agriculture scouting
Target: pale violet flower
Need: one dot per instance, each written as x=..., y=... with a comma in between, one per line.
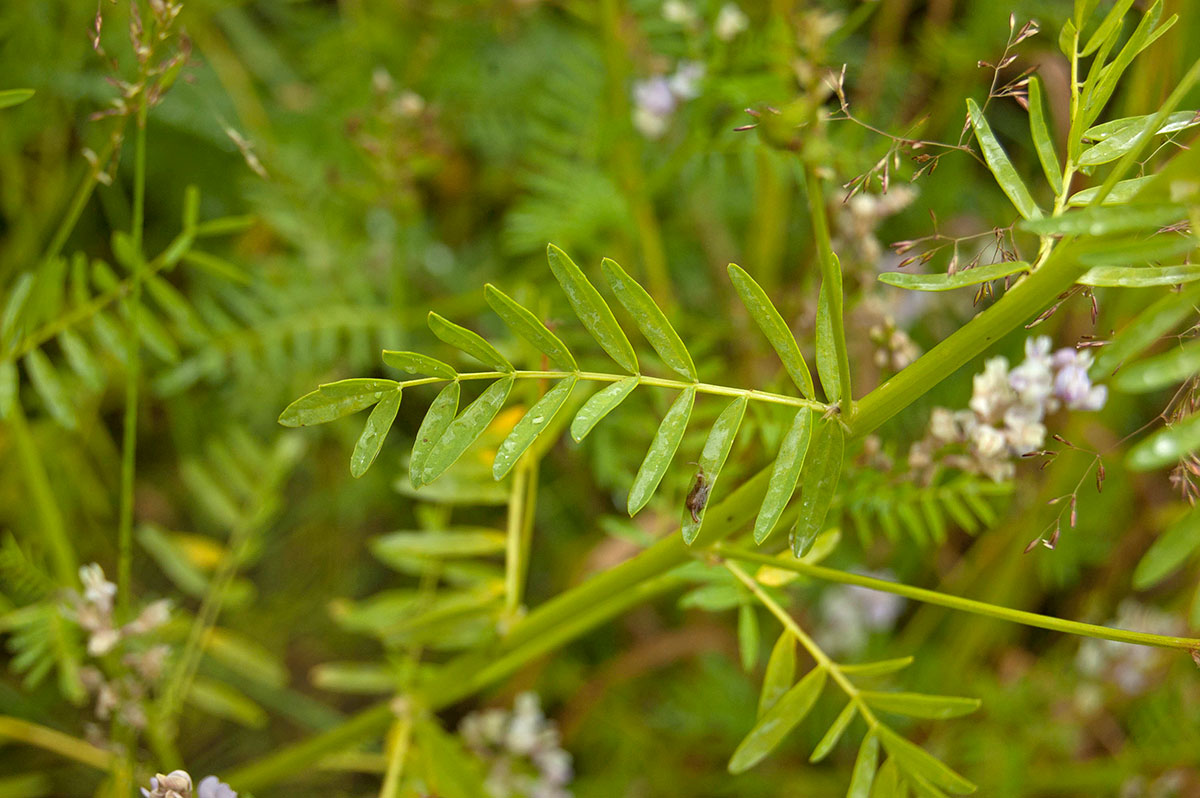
x=176, y=784
x=656, y=99
x=212, y=787
x=685, y=83
x=731, y=22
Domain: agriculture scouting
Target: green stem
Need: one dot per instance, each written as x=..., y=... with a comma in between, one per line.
x=82, y=194
x=831, y=277
x=400, y=738
x=961, y=604
x=520, y=529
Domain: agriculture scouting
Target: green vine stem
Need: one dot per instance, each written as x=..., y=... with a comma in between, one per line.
x=959, y=603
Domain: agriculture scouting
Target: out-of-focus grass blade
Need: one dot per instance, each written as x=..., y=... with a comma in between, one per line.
x=1108, y=26
x=781, y=672
x=416, y=363
x=441, y=412
x=948, y=282
x=530, y=327
x=1139, y=276
x=649, y=318
x=599, y=405
x=1042, y=140
x=1168, y=551
x=1147, y=250
x=920, y=705
x=9, y=378
x=820, y=481
x=834, y=733
x=530, y=426
x=748, y=636
x=1160, y=371
x=1124, y=138
x=1166, y=446
x=11, y=97
x=81, y=359
x=1001, y=167
x=712, y=459
x=1103, y=220
x=767, y=317
x=592, y=310
x=463, y=431
x=780, y=719
x=784, y=474
x=438, y=544
x=467, y=341
x=379, y=423
x=864, y=767
x=662, y=450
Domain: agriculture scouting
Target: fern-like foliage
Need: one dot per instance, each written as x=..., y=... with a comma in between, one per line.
x=922, y=513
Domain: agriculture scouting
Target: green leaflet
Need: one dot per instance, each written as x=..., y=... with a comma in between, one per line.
x=1146, y=250
x=1000, y=166
x=1124, y=191
x=748, y=636
x=357, y=386
x=1139, y=276
x=465, y=429
x=1126, y=134
x=834, y=733
x=820, y=484
x=662, y=449
x=441, y=412
x=780, y=719
x=712, y=460
x=222, y=701
x=1149, y=325
x=415, y=363
x=1043, y=142
x=920, y=705
x=1166, y=446
x=915, y=760
x=785, y=474
x=1168, y=551
x=1160, y=371
x=448, y=769
x=367, y=678
x=525, y=324
x=530, y=426
x=11, y=97
x=1097, y=95
x=50, y=388
x=81, y=360
x=878, y=668
x=864, y=767
x=948, y=282
x=781, y=672
x=592, y=310
x=1179, y=120
x=768, y=319
x=319, y=407
x=1109, y=26
x=649, y=318
x=1104, y=220
x=467, y=341
x=8, y=387
x=479, y=542
x=379, y=423
x=888, y=783
x=827, y=362
x=599, y=405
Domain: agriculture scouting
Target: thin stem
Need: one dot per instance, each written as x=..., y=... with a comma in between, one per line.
x=831, y=278
x=82, y=194
x=961, y=604
x=400, y=737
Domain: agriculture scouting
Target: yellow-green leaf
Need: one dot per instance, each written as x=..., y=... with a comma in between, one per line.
x=767, y=317
x=592, y=310
x=785, y=474
x=778, y=721
x=464, y=430
x=468, y=341
x=441, y=412
x=1000, y=166
x=525, y=432
x=374, y=433
x=662, y=450
x=712, y=460
x=599, y=405
x=649, y=318
x=525, y=324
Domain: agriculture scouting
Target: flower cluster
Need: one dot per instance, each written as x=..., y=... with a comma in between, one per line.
x=521, y=748
x=178, y=784
x=849, y=614
x=1008, y=408
x=93, y=611
x=655, y=99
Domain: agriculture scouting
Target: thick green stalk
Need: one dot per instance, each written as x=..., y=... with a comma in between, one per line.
x=959, y=603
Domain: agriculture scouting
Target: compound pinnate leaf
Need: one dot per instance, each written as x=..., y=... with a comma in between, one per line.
x=662, y=450
x=592, y=310
x=784, y=474
x=913, y=759
x=1168, y=551
x=1000, y=166
x=864, y=767
x=1167, y=445
x=525, y=432
x=649, y=318
x=528, y=326
x=1042, y=141
x=467, y=341
x=920, y=705
x=441, y=412
x=781, y=672
x=465, y=429
x=768, y=319
x=780, y=719
x=834, y=733
x=820, y=481
x=599, y=405
x=416, y=363
x=379, y=423
x=712, y=460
